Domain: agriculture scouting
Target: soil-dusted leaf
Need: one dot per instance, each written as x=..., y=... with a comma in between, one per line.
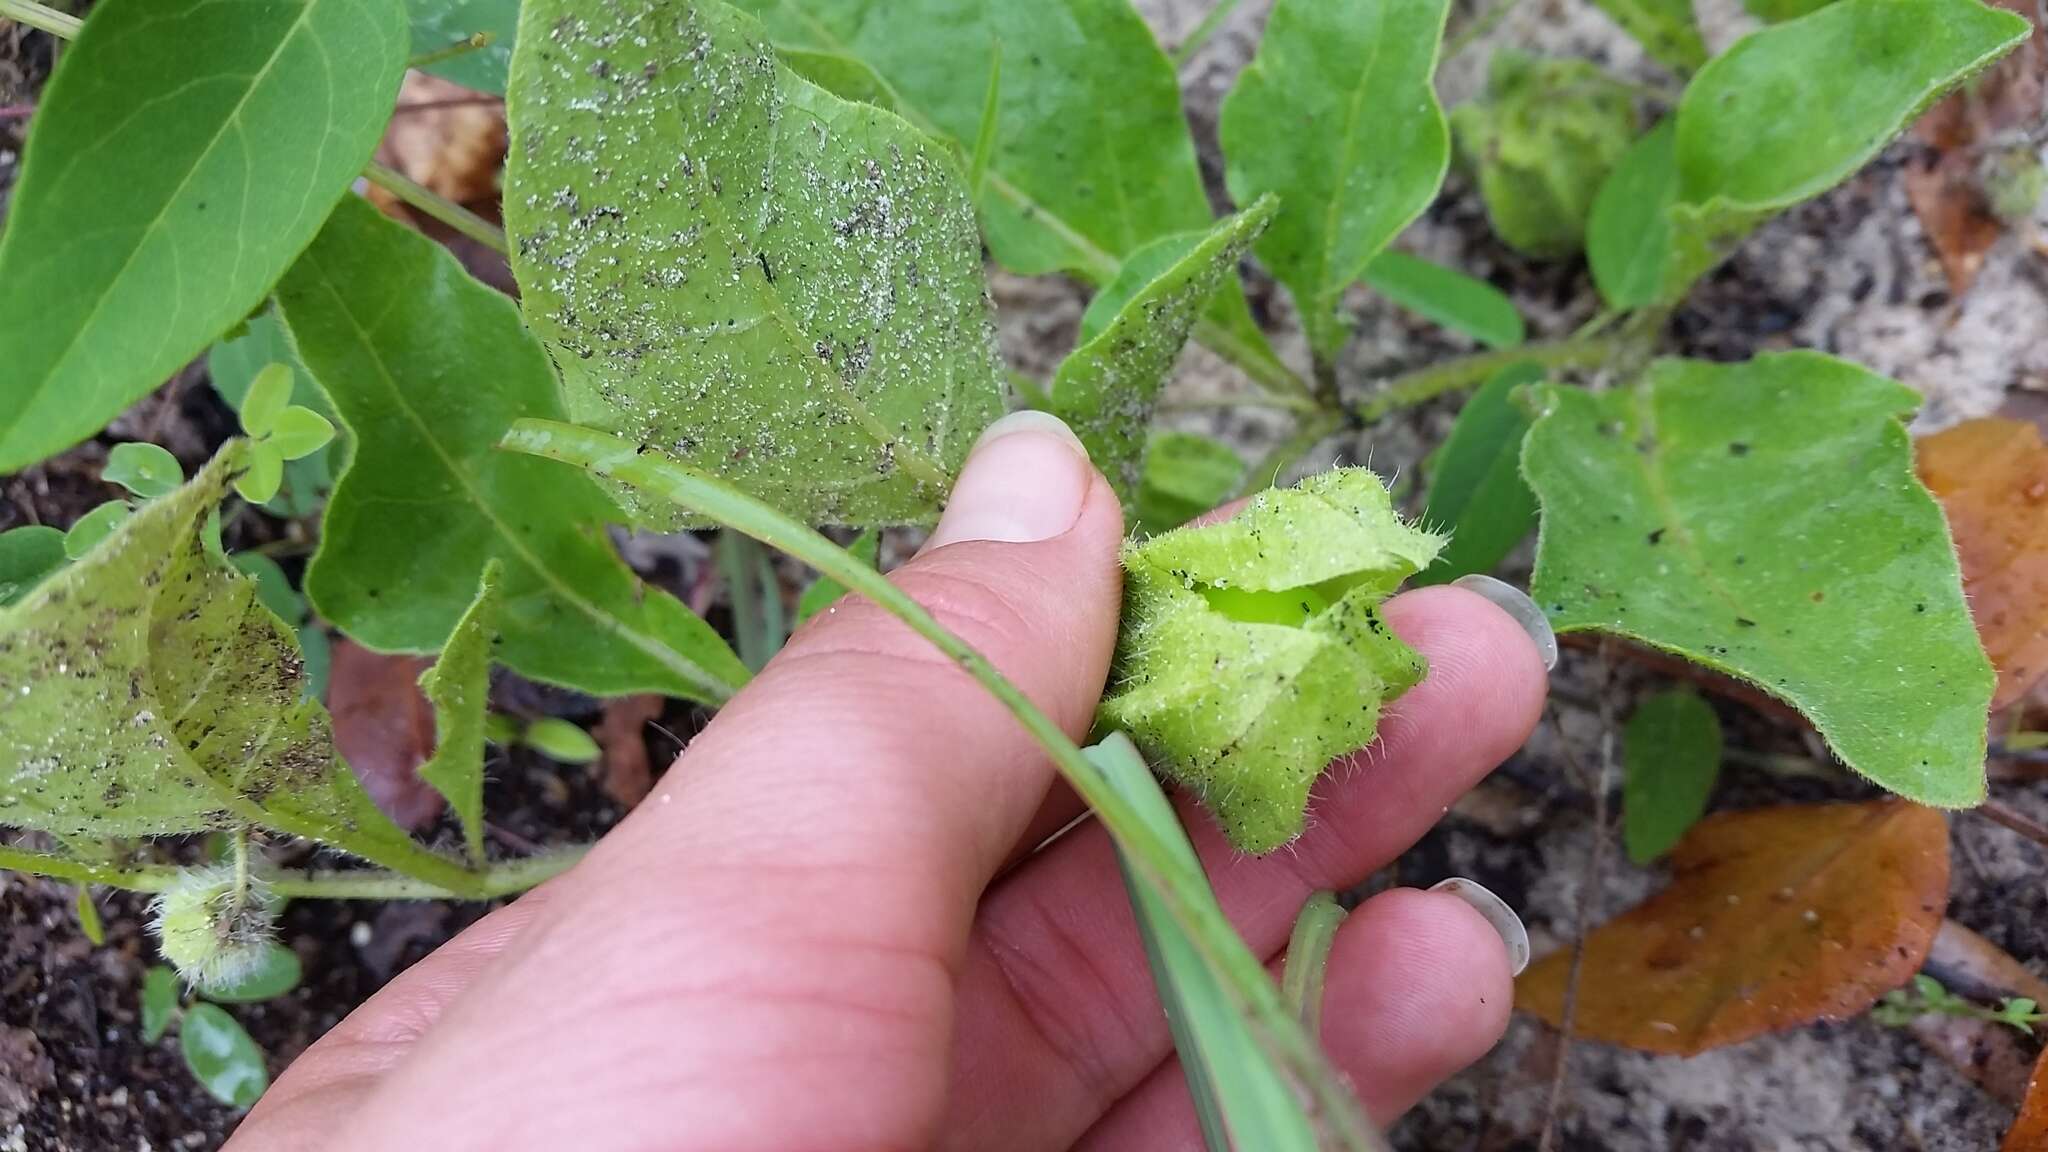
x=1991, y=476
x=824, y=590
x=1337, y=115
x=232, y=366
x=842, y=75
x=221, y=1056
x=1872, y=64
x=1453, y=299
x=26, y=556
x=735, y=266
x=1628, y=235
x=1185, y=475
x=167, y=184
x=459, y=688
x=1665, y=28
x=1106, y=387
x=273, y=588
x=160, y=995
x=438, y=24
x=1670, y=756
x=1476, y=491
x=2029, y=1131
x=1252, y=653
x=1147, y=264
x=1542, y=142
x=150, y=692
x=1763, y=519
x=1775, y=918
x=426, y=390
x=276, y=973
x=384, y=729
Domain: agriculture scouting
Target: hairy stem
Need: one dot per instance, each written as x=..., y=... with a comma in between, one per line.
x=501, y=879
x=1182, y=887
x=62, y=25
x=438, y=206
x=1410, y=389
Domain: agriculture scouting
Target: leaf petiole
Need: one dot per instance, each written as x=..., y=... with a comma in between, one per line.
x=462, y=47
x=437, y=206
x=42, y=18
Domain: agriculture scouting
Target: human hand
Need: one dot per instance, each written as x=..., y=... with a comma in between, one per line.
x=807, y=938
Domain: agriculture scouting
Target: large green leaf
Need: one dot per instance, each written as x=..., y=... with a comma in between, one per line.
x=439, y=24
x=183, y=155
x=731, y=264
x=1338, y=117
x=1476, y=490
x=1105, y=389
x=150, y=692
x=1763, y=519
x=459, y=687
x=427, y=368
x=1252, y=652
x=1665, y=28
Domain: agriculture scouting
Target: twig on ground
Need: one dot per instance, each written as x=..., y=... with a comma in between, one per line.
x=1999, y=812
x=1589, y=886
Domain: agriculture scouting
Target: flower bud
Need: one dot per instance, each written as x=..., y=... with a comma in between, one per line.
x=214, y=930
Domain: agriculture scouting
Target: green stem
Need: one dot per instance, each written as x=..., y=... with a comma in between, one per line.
x=755, y=595
x=1202, y=32
x=461, y=47
x=1308, y=958
x=62, y=25
x=1184, y=889
x=501, y=879
x=438, y=206
x=1261, y=366
x=1455, y=375
x=1313, y=430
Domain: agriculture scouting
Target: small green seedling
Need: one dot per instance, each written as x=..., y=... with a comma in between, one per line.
x=550, y=736
x=278, y=430
x=1927, y=997
x=217, y=1050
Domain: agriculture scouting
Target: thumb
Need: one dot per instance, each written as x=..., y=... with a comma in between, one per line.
x=785, y=918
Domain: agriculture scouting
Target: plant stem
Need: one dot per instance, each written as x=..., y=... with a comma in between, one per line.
x=751, y=588
x=1183, y=888
x=62, y=25
x=1262, y=367
x=461, y=47
x=438, y=206
x=501, y=879
x=1201, y=33
x=1308, y=958
x=1313, y=430
x=1410, y=389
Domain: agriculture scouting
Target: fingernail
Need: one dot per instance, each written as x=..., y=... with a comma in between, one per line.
x=1516, y=603
x=1025, y=480
x=1497, y=913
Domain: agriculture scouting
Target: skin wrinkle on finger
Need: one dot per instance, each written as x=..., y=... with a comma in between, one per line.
x=1015, y=1094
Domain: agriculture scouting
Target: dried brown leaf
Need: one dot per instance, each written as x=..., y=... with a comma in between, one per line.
x=1775, y=918
x=384, y=729
x=626, y=774
x=2029, y=1131
x=1992, y=478
x=446, y=141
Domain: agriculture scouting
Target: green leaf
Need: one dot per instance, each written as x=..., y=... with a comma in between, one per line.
x=1185, y=476
x=232, y=366
x=1338, y=117
x=425, y=391
x=801, y=312
x=561, y=740
x=1670, y=756
x=159, y=1002
x=437, y=24
x=501, y=729
x=1228, y=308
x=825, y=590
x=143, y=469
x=1252, y=652
x=273, y=588
x=1451, y=298
x=841, y=75
x=1104, y=390
x=221, y=1056
x=277, y=973
x=26, y=556
x=1763, y=519
x=89, y=921
x=270, y=392
x=300, y=432
x=1665, y=28
x=318, y=655
x=1242, y=1098
x=1476, y=492
x=1777, y=11
x=149, y=693
x=1628, y=235
x=265, y=473
x=459, y=688
x=1542, y=142
x=1092, y=156
x=183, y=155
x=95, y=526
